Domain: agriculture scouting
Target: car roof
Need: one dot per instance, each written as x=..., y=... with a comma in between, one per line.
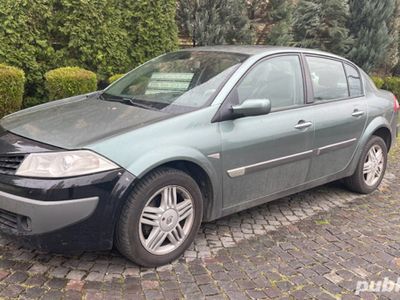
x=252, y=50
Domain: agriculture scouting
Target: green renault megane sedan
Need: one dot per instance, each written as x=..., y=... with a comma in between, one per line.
x=187, y=137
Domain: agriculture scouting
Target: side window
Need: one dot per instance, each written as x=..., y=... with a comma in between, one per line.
x=278, y=79
x=328, y=79
x=354, y=80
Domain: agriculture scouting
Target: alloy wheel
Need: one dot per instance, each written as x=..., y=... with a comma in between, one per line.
x=166, y=220
x=373, y=165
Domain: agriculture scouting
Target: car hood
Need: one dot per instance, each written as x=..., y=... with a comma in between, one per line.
x=79, y=121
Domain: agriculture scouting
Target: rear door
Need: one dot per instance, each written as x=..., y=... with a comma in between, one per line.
x=340, y=114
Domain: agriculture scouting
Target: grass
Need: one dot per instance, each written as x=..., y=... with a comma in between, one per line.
x=322, y=222
x=395, y=151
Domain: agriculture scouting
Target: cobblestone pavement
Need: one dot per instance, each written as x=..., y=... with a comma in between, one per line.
x=316, y=244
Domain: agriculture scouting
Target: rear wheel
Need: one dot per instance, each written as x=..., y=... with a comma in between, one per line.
x=160, y=219
x=371, y=167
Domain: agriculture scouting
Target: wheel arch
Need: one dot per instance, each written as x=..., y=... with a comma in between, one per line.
x=200, y=176
x=378, y=127
x=193, y=163
x=386, y=135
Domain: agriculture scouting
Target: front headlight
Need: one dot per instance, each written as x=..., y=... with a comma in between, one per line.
x=63, y=164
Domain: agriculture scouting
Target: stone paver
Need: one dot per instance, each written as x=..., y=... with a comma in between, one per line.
x=316, y=244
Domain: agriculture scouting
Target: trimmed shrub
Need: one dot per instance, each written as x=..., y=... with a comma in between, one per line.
x=393, y=84
x=12, y=81
x=114, y=78
x=69, y=81
x=379, y=82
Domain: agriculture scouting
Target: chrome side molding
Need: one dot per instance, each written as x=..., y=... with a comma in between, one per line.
x=288, y=159
x=336, y=146
x=214, y=155
x=269, y=164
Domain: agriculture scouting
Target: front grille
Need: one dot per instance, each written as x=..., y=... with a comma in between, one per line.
x=10, y=163
x=8, y=219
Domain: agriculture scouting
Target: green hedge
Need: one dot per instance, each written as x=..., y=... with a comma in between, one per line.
x=69, y=81
x=379, y=82
x=393, y=84
x=114, y=78
x=105, y=36
x=12, y=81
x=23, y=29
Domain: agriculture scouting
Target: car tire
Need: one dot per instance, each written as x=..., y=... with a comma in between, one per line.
x=151, y=230
x=362, y=181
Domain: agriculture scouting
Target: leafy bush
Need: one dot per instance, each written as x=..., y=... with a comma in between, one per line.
x=151, y=28
x=105, y=36
x=393, y=84
x=12, y=81
x=70, y=81
x=114, y=78
x=30, y=101
x=379, y=82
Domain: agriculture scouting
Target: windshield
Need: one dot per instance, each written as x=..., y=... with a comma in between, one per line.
x=178, y=81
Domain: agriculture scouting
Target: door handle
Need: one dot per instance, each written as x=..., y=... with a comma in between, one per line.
x=303, y=125
x=357, y=113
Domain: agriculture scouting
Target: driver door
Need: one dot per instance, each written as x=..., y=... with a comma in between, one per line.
x=267, y=154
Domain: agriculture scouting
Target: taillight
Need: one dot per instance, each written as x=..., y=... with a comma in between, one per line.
x=396, y=105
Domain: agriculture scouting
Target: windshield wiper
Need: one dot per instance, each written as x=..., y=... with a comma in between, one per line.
x=134, y=102
x=126, y=100
x=108, y=97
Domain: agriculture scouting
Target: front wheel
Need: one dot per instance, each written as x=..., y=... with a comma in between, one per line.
x=160, y=219
x=371, y=167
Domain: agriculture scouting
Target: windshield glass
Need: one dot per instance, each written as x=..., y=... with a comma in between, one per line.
x=184, y=80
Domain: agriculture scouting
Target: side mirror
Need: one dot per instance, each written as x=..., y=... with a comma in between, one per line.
x=252, y=107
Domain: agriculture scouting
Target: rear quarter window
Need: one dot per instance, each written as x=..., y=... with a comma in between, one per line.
x=354, y=80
